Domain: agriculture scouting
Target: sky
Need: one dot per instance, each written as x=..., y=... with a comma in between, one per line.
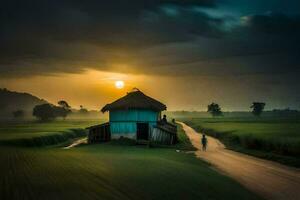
x=186, y=54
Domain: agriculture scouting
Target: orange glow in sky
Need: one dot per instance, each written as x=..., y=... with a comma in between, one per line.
x=93, y=89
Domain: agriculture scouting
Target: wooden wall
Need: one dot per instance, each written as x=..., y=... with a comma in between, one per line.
x=123, y=123
x=162, y=136
x=99, y=133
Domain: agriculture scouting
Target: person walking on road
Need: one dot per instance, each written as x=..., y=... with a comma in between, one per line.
x=204, y=142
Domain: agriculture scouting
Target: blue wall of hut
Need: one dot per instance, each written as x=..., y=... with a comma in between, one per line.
x=123, y=122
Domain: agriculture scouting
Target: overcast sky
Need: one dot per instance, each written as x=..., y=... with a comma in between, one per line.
x=185, y=53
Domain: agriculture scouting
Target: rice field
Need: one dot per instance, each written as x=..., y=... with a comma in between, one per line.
x=111, y=172
x=264, y=137
x=106, y=171
x=29, y=129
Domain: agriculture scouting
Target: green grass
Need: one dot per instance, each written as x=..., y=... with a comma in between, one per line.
x=107, y=171
x=29, y=129
x=277, y=140
x=32, y=133
x=114, y=170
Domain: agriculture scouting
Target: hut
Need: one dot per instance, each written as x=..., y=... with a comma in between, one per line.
x=135, y=116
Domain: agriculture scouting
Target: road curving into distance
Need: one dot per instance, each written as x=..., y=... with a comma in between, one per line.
x=269, y=179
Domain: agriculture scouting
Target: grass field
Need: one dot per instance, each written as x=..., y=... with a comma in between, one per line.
x=28, y=129
x=33, y=133
x=106, y=171
x=111, y=172
x=264, y=137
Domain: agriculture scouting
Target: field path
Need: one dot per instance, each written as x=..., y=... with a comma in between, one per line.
x=76, y=143
x=268, y=179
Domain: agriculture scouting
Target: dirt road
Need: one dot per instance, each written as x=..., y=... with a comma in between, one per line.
x=268, y=179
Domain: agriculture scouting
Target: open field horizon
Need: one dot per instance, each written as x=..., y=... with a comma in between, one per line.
x=41, y=143
x=269, y=138
x=110, y=171
x=118, y=99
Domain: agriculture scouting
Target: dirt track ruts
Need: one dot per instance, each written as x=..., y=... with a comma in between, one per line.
x=268, y=179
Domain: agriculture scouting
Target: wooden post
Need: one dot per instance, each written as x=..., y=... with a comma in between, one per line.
x=149, y=137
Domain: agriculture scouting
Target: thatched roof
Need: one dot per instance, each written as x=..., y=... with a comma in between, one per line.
x=135, y=100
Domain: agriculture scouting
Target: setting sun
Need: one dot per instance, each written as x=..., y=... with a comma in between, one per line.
x=119, y=84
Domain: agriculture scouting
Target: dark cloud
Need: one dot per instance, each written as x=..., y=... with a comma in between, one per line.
x=153, y=36
x=110, y=22
x=247, y=7
x=56, y=35
x=267, y=43
x=273, y=24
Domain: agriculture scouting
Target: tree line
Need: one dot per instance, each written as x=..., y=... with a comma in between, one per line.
x=47, y=111
x=215, y=110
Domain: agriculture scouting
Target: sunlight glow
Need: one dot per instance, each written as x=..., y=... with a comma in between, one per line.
x=119, y=84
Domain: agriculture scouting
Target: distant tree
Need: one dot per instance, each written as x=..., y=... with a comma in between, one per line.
x=45, y=112
x=63, y=110
x=214, y=109
x=257, y=108
x=64, y=104
x=18, y=114
x=83, y=110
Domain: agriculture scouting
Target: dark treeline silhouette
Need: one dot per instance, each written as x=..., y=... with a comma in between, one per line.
x=64, y=109
x=287, y=112
x=11, y=102
x=46, y=112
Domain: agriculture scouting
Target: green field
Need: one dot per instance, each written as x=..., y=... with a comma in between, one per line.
x=28, y=129
x=105, y=171
x=275, y=139
x=33, y=133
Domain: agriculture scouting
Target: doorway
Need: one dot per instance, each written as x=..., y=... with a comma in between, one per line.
x=142, y=131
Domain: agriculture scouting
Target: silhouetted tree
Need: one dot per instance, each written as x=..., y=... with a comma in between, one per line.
x=63, y=110
x=83, y=110
x=64, y=104
x=214, y=109
x=257, y=108
x=18, y=114
x=44, y=112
